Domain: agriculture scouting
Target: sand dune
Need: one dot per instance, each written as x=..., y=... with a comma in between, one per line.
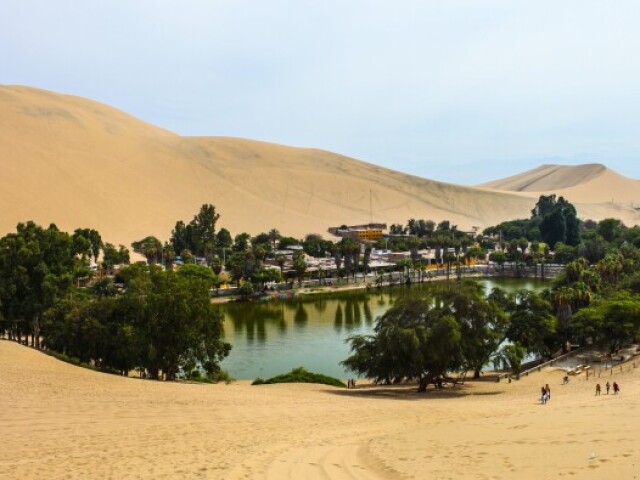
x=76, y=162
x=583, y=184
x=74, y=423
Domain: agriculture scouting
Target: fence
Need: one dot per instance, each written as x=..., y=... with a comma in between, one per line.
x=540, y=366
x=607, y=371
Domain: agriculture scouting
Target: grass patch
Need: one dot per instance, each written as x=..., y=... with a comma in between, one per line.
x=72, y=360
x=301, y=375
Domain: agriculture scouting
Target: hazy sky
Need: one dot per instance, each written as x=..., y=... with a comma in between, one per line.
x=461, y=91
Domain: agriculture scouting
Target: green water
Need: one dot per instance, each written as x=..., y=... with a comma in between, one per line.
x=273, y=337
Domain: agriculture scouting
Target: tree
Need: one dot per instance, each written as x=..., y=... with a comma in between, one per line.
x=175, y=324
x=510, y=356
x=199, y=272
x=397, y=229
x=559, y=221
x=366, y=260
x=610, y=229
x=223, y=238
x=412, y=340
x=482, y=321
x=115, y=256
x=181, y=237
x=37, y=268
x=241, y=242
x=299, y=264
x=203, y=228
x=614, y=320
x=281, y=260
x=531, y=324
x=241, y=265
x=199, y=236
x=498, y=257
x=150, y=248
x=315, y=246
x=92, y=237
x=274, y=236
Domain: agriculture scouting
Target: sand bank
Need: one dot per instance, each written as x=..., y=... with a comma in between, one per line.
x=62, y=421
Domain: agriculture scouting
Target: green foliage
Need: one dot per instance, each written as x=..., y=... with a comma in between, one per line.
x=532, y=324
x=199, y=236
x=610, y=229
x=301, y=375
x=115, y=256
x=200, y=272
x=286, y=242
x=315, y=246
x=564, y=253
x=514, y=229
x=413, y=340
x=163, y=322
x=559, y=220
x=299, y=264
x=246, y=290
x=482, y=322
x=223, y=238
x=511, y=357
x=614, y=320
x=92, y=238
x=37, y=269
x=150, y=248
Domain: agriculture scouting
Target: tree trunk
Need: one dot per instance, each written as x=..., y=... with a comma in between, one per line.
x=36, y=333
x=476, y=374
x=422, y=384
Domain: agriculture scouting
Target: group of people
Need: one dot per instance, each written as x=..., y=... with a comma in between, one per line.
x=545, y=394
x=616, y=388
x=351, y=383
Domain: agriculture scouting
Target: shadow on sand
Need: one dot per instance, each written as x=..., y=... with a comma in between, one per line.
x=410, y=392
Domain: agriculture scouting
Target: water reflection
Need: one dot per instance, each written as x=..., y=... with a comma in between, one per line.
x=264, y=342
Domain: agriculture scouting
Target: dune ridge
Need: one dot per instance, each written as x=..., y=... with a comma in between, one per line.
x=588, y=183
x=78, y=163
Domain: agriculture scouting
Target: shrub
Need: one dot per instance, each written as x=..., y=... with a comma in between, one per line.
x=301, y=375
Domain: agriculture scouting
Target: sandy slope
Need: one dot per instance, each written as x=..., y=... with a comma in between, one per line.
x=584, y=184
x=76, y=162
x=74, y=423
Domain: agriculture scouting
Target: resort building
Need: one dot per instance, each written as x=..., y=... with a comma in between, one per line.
x=361, y=233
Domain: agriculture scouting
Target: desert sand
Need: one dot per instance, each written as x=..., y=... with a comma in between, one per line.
x=80, y=163
x=589, y=183
x=60, y=421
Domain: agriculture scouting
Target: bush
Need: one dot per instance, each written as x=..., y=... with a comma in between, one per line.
x=301, y=375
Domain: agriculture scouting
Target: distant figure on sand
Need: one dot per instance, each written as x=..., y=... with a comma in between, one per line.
x=616, y=388
x=548, y=390
x=543, y=395
x=608, y=386
x=597, y=389
x=565, y=380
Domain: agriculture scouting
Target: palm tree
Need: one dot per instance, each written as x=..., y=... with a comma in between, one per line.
x=274, y=235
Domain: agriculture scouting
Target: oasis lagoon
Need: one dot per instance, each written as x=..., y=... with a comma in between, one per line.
x=270, y=338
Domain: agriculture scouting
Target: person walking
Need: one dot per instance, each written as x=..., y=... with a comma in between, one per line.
x=543, y=395
x=597, y=389
x=616, y=388
x=608, y=386
x=548, y=390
